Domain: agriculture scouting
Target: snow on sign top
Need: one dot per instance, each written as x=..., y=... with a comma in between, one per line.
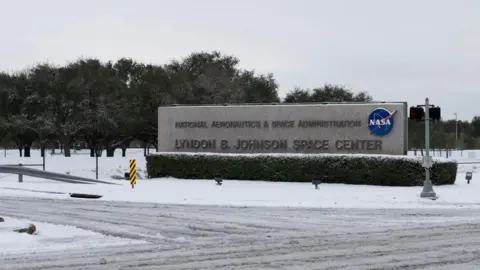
x=341, y=128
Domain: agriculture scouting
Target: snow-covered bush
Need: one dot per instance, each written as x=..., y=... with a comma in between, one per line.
x=348, y=169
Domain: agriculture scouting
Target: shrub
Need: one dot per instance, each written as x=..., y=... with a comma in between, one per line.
x=348, y=169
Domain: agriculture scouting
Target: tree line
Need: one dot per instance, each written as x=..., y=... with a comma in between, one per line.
x=108, y=105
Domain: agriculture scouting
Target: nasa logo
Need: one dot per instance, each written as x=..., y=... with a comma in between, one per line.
x=380, y=121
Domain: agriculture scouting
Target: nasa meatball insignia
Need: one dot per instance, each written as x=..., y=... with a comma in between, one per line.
x=380, y=121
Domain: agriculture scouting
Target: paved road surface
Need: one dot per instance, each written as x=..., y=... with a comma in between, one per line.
x=213, y=237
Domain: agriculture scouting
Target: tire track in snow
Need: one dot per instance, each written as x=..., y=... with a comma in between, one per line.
x=206, y=237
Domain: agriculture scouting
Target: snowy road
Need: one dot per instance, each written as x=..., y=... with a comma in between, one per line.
x=214, y=237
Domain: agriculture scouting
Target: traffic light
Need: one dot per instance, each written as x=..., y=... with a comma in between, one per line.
x=417, y=113
x=434, y=113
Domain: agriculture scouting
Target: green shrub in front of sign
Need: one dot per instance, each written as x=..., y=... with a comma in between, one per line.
x=346, y=169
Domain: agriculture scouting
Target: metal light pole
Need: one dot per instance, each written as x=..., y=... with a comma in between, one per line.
x=427, y=191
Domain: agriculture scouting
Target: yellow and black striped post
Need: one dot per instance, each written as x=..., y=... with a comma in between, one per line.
x=133, y=172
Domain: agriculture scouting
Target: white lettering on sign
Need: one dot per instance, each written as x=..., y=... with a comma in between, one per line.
x=380, y=122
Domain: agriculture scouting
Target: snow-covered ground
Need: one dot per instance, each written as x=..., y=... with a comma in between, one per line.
x=235, y=219
x=50, y=237
x=240, y=193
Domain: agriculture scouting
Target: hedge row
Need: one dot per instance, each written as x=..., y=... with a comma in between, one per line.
x=347, y=169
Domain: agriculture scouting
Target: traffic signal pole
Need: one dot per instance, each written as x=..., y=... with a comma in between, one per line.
x=427, y=191
x=427, y=114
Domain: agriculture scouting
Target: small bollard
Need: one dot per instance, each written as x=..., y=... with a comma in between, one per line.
x=20, y=176
x=468, y=176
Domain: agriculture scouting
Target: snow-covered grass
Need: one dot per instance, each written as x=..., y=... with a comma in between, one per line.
x=174, y=191
x=252, y=193
x=49, y=237
x=461, y=156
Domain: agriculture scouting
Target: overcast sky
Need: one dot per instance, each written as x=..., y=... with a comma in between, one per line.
x=400, y=50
